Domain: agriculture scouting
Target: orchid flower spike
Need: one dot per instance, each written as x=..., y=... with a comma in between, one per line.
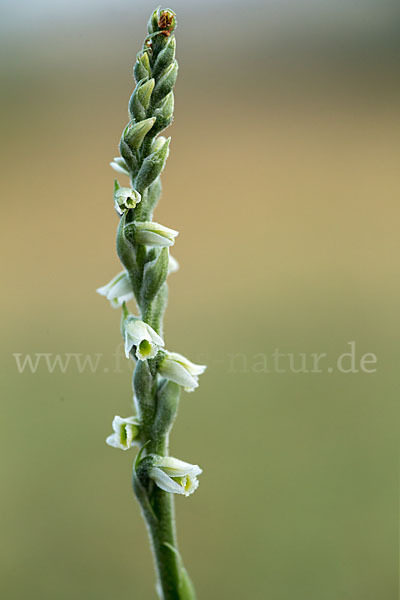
x=143, y=248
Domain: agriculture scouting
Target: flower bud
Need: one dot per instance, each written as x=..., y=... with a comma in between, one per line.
x=144, y=93
x=129, y=157
x=140, y=335
x=119, y=165
x=164, y=114
x=142, y=69
x=152, y=25
x=140, y=99
x=118, y=290
x=126, y=430
x=152, y=167
x=151, y=197
x=174, y=475
x=166, y=83
x=165, y=57
x=158, y=143
x=176, y=367
x=125, y=198
x=134, y=133
x=162, y=20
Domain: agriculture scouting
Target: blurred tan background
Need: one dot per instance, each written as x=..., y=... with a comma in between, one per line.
x=283, y=181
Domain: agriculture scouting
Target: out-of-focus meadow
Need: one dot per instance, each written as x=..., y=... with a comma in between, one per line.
x=283, y=181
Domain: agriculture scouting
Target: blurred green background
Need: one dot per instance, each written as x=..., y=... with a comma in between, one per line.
x=283, y=181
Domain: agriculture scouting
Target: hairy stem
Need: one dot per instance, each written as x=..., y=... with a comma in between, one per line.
x=159, y=513
x=161, y=532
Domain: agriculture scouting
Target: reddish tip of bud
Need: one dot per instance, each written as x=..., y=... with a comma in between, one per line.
x=167, y=21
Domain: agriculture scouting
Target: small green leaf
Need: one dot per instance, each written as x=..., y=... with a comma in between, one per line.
x=129, y=157
x=167, y=407
x=154, y=275
x=125, y=249
x=143, y=382
x=142, y=69
x=186, y=589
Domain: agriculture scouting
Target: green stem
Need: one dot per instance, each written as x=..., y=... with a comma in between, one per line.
x=159, y=514
x=162, y=531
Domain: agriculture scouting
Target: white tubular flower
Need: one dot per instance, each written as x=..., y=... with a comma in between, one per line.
x=118, y=290
x=154, y=234
x=173, y=265
x=179, y=369
x=125, y=432
x=175, y=476
x=119, y=165
x=140, y=334
x=125, y=198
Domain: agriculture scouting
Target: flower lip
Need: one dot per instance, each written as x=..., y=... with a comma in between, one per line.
x=145, y=349
x=126, y=198
x=139, y=334
x=126, y=429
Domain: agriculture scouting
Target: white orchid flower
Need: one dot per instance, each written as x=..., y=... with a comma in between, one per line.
x=124, y=198
x=140, y=334
x=174, y=475
x=118, y=290
x=182, y=371
x=154, y=234
x=125, y=432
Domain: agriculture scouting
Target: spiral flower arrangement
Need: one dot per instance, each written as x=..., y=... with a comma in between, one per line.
x=143, y=247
